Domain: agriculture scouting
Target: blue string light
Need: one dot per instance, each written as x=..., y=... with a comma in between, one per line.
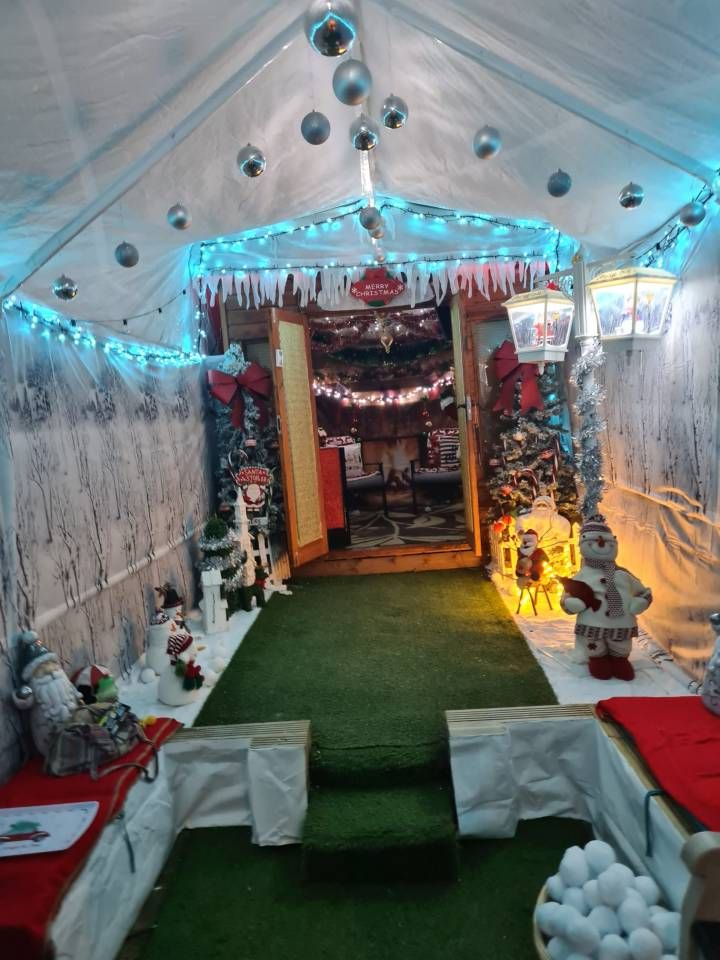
x=66, y=329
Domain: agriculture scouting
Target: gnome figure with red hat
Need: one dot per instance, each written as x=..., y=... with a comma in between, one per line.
x=182, y=678
x=606, y=600
x=532, y=559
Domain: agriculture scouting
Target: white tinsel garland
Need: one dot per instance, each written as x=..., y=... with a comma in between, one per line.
x=590, y=396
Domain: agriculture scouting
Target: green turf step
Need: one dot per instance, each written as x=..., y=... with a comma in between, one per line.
x=400, y=833
x=383, y=764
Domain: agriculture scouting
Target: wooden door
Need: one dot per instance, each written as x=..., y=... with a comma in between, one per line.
x=465, y=394
x=298, y=437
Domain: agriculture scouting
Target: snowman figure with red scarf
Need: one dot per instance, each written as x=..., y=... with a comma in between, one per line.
x=606, y=600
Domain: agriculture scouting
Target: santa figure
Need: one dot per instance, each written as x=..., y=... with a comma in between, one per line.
x=46, y=692
x=606, y=599
x=532, y=560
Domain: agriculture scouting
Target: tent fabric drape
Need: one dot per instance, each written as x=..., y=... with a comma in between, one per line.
x=108, y=483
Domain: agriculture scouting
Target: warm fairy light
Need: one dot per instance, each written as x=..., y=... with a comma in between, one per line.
x=377, y=398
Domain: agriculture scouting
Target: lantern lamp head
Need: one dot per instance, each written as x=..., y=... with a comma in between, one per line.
x=632, y=302
x=540, y=321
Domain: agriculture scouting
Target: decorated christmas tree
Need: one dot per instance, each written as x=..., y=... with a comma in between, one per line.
x=222, y=552
x=241, y=392
x=531, y=453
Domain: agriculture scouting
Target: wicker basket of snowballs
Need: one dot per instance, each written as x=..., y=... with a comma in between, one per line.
x=595, y=907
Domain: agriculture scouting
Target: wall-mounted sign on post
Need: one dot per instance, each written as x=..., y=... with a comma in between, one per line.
x=377, y=287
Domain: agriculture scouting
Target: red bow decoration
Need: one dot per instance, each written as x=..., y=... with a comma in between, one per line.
x=509, y=370
x=229, y=390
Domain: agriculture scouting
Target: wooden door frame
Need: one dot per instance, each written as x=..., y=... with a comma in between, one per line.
x=298, y=554
x=470, y=383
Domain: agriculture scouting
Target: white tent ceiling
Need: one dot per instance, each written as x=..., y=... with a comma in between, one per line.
x=88, y=90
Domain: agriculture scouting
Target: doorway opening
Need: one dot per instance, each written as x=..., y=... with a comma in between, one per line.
x=384, y=383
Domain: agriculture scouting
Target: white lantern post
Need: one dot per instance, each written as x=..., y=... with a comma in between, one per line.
x=213, y=604
x=631, y=304
x=540, y=321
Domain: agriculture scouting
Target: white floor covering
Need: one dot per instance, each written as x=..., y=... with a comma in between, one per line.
x=550, y=636
x=142, y=697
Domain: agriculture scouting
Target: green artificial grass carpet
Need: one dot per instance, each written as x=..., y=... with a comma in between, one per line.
x=373, y=662
x=228, y=900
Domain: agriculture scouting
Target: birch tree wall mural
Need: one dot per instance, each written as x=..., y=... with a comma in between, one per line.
x=103, y=480
x=663, y=465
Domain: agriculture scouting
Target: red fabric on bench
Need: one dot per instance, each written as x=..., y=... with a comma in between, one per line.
x=32, y=887
x=679, y=740
x=332, y=487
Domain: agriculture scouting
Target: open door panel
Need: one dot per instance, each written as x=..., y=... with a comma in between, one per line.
x=298, y=437
x=467, y=420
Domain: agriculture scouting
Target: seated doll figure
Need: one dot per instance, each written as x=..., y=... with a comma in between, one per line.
x=532, y=560
x=606, y=599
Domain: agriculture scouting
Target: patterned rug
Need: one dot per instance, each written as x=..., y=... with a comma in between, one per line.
x=444, y=523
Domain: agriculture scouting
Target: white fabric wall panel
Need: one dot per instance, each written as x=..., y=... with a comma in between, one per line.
x=663, y=461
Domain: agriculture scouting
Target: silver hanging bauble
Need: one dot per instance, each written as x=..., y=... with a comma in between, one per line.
x=370, y=218
x=126, y=254
x=378, y=233
x=64, y=288
x=352, y=82
x=331, y=26
x=380, y=256
x=559, y=183
x=631, y=195
x=179, y=217
x=251, y=161
x=24, y=693
x=394, y=112
x=364, y=133
x=315, y=128
x=487, y=142
x=692, y=214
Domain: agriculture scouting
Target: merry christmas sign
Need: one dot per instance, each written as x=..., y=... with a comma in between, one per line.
x=254, y=483
x=377, y=287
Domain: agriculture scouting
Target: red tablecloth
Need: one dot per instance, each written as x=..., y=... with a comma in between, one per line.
x=679, y=740
x=32, y=887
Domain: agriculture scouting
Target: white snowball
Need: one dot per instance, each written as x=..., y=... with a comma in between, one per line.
x=558, y=949
x=632, y=894
x=555, y=888
x=613, y=947
x=564, y=916
x=604, y=920
x=666, y=926
x=625, y=872
x=599, y=856
x=574, y=897
x=147, y=675
x=577, y=956
x=669, y=956
x=545, y=917
x=211, y=678
x=574, y=870
x=612, y=885
x=648, y=890
x=633, y=914
x=644, y=945
x=655, y=909
x=591, y=893
x=219, y=664
x=582, y=935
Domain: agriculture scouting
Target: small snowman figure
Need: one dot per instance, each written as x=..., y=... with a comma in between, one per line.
x=711, y=682
x=182, y=678
x=606, y=600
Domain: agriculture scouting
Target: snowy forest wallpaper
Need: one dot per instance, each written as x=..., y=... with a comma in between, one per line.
x=662, y=463
x=103, y=482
